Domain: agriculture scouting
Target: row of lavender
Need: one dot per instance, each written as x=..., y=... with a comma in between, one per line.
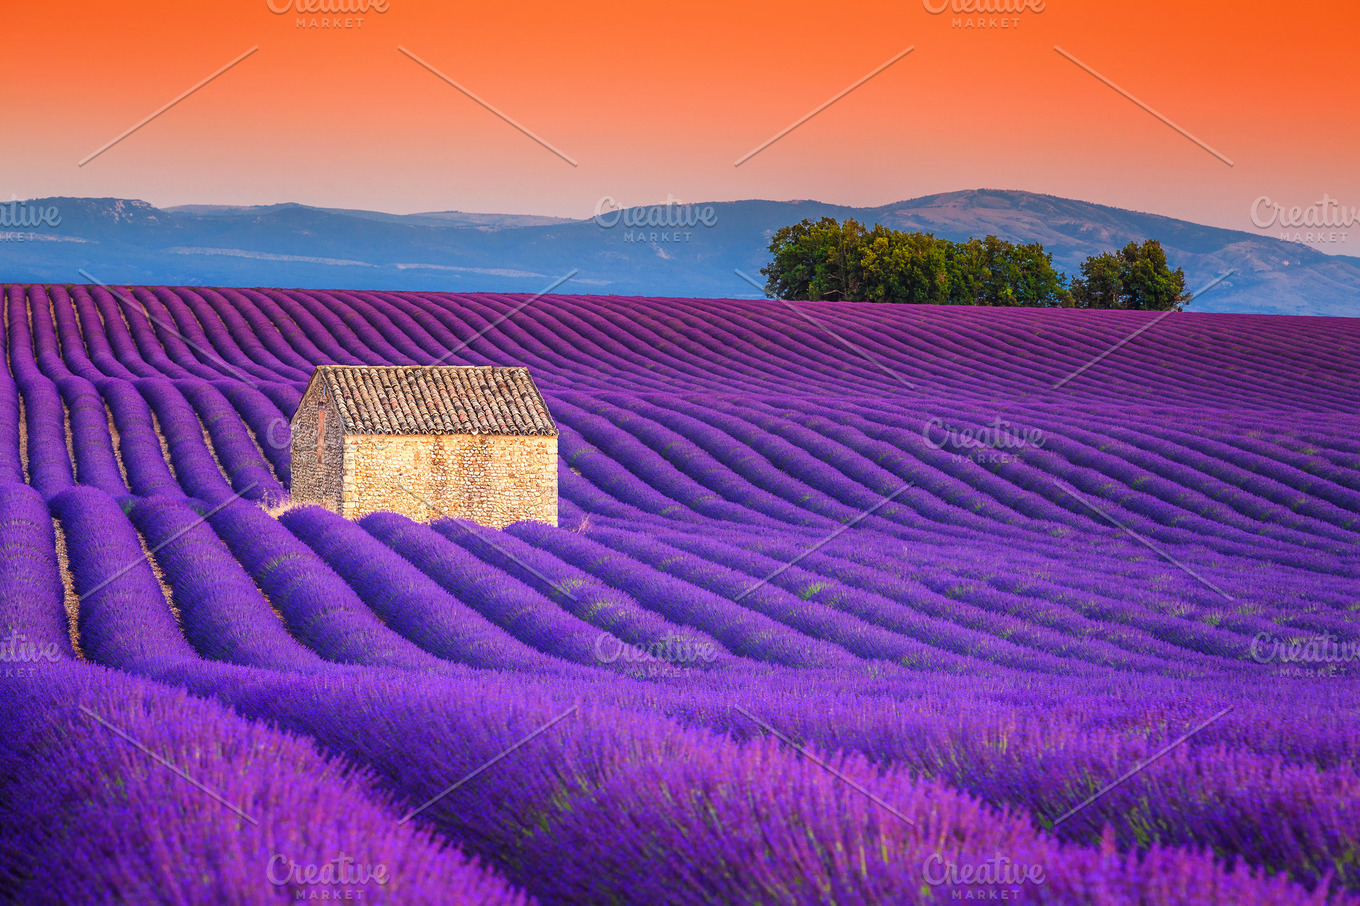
x=609, y=785
x=648, y=345
x=1295, y=482
x=839, y=471
x=728, y=491
x=401, y=616
x=707, y=345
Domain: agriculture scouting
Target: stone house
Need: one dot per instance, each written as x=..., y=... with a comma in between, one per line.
x=473, y=443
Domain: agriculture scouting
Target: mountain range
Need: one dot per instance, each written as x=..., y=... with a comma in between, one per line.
x=290, y=245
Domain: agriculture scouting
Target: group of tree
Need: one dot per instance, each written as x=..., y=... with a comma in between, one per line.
x=830, y=260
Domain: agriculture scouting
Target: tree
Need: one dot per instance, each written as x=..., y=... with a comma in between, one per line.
x=829, y=260
x=1136, y=277
x=993, y=271
x=1099, y=285
x=790, y=271
x=908, y=268
x=816, y=261
x=1036, y=281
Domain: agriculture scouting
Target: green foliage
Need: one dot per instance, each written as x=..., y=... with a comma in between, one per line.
x=905, y=267
x=816, y=261
x=1136, y=277
x=993, y=271
x=830, y=260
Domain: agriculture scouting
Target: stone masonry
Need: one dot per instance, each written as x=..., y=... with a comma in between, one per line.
x=470, y=443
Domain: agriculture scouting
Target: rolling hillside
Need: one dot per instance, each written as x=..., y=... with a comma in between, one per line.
x=121, y=241
x=844, y=604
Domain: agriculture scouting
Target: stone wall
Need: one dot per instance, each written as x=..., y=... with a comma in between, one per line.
x=317, y=470
x=494, y=480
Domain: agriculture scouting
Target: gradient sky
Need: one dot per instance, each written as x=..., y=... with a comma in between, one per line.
x=660, y=99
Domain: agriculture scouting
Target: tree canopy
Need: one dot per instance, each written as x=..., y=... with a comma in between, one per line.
x=1135, y=277
x=847, y=262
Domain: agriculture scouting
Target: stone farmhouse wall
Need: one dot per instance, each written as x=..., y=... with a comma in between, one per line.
x=317, y=468
x=494, y=480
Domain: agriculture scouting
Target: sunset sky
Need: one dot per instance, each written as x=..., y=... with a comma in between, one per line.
x=660, y=99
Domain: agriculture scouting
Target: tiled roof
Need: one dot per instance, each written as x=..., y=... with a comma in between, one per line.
x=437, y=400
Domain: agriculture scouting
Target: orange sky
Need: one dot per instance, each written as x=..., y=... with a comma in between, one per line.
x=657, y=99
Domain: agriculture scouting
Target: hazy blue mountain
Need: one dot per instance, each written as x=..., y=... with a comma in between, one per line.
x=125, y=241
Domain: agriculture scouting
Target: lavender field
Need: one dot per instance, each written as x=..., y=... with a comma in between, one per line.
x=848, y=605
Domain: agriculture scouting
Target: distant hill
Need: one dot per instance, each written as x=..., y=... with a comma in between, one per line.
x=126, y=241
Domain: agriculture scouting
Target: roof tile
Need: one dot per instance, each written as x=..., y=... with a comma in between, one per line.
x=446, y=399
